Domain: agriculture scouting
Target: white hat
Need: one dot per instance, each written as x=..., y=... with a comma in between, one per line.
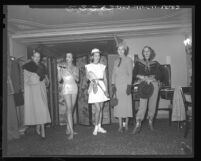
x=95, y=51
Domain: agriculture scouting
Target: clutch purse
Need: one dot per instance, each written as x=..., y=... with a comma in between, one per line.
x=128, y=90
x=114, y=100
x=95, y=88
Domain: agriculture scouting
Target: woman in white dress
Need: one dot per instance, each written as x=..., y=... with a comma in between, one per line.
x=69, y=74
x=98, y=92
x=36, y=110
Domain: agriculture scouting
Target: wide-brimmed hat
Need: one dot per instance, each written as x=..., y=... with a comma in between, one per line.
x=95, y=50
x=145, y=90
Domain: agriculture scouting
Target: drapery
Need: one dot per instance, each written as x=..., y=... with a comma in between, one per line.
x=52, y=90
x=12, y=121
x=83, y=109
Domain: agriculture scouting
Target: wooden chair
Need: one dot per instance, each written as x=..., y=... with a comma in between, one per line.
x=186, y=93
x=165, y=90
x=135, y=99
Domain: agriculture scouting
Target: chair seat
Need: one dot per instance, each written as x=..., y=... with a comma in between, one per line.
x=167, y=93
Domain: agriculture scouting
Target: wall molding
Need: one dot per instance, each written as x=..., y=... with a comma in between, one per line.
x=91, y=24
x=100, y=32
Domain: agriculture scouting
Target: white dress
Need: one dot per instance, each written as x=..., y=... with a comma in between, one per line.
x=98, y=70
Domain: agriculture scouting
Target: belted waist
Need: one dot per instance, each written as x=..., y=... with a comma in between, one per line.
x=150, y=76
x=99, y=79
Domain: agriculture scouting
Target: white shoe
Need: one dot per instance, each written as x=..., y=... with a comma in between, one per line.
x=101, y=130
x=95, y=131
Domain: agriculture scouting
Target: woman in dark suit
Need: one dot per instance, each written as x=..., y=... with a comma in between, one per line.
x=148, y=71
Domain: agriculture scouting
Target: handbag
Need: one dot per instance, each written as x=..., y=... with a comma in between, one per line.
x=128, y=90
x=95, y=87
x=114, y=100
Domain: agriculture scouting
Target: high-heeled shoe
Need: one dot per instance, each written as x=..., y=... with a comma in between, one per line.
x=126, y=128
x=70, y=137
x=68, y=132
x=38, y=130
x=42, y=133
x=43, y=136
x=120, y=129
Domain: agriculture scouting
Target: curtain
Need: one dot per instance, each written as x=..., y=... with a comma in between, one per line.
x=84, y=115
x=12, y=120
x=53, y=90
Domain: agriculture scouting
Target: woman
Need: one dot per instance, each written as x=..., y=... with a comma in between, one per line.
x=35, y=96
x=149, y=71
x=121, y=79
x=68, y=73
x=98, y=93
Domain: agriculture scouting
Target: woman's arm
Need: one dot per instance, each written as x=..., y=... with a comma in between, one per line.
x=135, y=73
x=114, y=72
x=59, y=73
x=87, y=73
x=130, y=70
x=76, y=74
x=105, y=80
x=47, y=81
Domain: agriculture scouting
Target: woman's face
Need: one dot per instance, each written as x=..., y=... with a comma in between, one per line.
x=121, y=51
x=96, y=57
x=36, y=57
x=69, y=58
x=147, y=53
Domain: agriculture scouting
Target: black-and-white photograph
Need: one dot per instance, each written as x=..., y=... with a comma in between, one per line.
x=99, y=80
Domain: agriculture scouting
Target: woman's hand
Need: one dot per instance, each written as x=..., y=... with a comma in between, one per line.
x=114, y=89
x=141, y=77
x=107, y=94
x=47, y=82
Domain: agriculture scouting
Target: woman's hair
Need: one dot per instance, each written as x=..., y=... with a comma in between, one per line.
x=37, y=51
x=91, y=59
x=152, y=53
x=73, y=57
x=126, y=48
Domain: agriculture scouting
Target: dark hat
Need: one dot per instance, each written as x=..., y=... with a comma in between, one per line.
x=145, y=89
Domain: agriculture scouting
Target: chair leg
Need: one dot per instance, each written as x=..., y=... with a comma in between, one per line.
x=186, y=128
x=170, y=117
x=157, y=104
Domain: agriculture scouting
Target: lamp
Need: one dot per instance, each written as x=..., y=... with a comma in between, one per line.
x=188, y=44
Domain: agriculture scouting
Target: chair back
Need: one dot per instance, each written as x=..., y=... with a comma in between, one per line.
x=186, y=93
x=165, y=76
